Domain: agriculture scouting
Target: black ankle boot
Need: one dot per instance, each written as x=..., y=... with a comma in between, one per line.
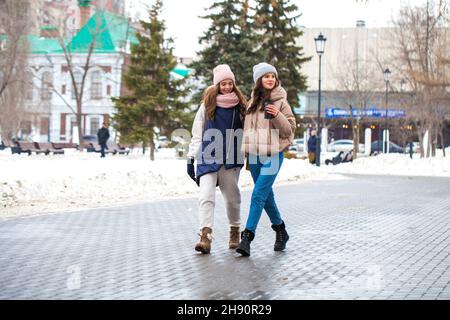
x=281, y=237
x=247, y=237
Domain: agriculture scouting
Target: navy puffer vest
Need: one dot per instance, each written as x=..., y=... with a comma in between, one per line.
x=232, y=157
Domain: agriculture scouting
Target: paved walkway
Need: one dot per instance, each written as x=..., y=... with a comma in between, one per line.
x=365, y=238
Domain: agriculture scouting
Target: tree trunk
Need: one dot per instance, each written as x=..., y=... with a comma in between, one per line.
x=7, y=136
x=152, y=150
x=355, y=143
x=421, y=142
x=358, y=133
x=441, y=135
x=428, y=142
x=434, y=141
x=80, y=131
x=7, y=141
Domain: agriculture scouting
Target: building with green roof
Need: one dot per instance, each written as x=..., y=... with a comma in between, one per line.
x=53, y=115
x=110, y=33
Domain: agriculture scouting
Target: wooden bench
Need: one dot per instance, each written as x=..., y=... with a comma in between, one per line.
x=118, y=149
x=50, y=147
x=30, y=147
x=96, y=148
x=88, y=146
x=65, y=145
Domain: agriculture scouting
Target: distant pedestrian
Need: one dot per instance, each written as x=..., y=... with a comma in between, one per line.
x=221, y=112
x=411, y=149
x=312, y=146
x=268, y=131
x=103, y=136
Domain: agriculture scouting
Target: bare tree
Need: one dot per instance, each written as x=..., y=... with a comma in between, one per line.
x=12, y=112
x=357, y=86
x=421, y=52
x=14, y=26
x=78, y=65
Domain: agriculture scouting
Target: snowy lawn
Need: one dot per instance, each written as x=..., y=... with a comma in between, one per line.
x=41, y=184
x=399, y=165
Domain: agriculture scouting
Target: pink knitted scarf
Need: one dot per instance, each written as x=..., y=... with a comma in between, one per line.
x=227, y=100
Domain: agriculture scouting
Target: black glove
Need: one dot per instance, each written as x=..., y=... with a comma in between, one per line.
x=191, y=169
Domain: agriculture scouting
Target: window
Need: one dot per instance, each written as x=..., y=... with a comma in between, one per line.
x=108, y=90
x=45, y=125
x=46, y=88
x=63, y=89
x=95, y=125
x=78, y=78
x=73, y=124
x=96, y=85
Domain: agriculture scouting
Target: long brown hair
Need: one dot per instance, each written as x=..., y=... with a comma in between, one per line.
x=259, y=94
x=210, y=96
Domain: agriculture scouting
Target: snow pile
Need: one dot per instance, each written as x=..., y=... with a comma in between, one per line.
x=47, y=183
x=397, y=164
x=56, y=183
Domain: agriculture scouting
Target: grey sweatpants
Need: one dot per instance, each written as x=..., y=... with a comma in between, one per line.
x=228, y=184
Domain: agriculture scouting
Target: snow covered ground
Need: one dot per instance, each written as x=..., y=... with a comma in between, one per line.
x=42, y=184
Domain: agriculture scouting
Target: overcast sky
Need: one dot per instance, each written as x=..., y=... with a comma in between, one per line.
x=184, y=25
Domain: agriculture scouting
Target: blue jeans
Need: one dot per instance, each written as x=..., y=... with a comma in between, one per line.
x=102, y=149
x=264, y=171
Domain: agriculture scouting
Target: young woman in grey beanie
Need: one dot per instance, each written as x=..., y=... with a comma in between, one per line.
x=268, y=130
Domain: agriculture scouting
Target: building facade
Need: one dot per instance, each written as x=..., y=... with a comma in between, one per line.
x=361, y=50
x=355, y=56
x=50, y=98
x=69, y=15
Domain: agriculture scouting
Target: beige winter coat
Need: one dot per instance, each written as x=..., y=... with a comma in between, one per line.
x=267, y=137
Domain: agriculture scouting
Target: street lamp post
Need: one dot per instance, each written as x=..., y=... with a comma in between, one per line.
x=320, y=48
x=387, y=75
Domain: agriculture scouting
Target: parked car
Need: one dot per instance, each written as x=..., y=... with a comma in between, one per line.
x=416, y=147
x=293, y=148
x=377, y=147
x=90, y=138
x=343, y=145
x=300, y=144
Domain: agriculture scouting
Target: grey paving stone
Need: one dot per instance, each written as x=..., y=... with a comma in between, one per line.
x=364, y=238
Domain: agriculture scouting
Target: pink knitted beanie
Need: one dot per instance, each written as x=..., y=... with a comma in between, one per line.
x=223, y=72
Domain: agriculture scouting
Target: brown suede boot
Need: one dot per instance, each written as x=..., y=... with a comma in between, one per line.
x=204, y=246
x=234, y=237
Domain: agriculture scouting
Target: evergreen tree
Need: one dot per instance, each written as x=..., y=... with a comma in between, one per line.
x=155, y=102
x=281, y=34
x=230, y=39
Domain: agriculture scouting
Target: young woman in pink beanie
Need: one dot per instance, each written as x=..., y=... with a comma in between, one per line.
x=215, y=146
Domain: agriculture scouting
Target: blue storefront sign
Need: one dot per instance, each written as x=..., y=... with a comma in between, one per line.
x=335, y=113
